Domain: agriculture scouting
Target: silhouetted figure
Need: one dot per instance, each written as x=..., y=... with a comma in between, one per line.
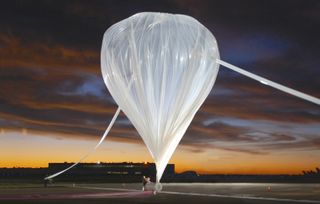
x=145, y=180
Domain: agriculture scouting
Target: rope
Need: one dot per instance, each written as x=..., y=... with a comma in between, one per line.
x=270, y=83
x=92, y=150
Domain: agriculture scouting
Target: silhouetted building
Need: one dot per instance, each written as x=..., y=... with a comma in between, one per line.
x=112, y=169
x=95, y=172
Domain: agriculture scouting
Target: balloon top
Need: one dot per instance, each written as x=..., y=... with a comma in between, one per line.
x=159, y=17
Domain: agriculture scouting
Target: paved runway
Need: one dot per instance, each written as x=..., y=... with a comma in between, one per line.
x=293, y=193
x=240, y=193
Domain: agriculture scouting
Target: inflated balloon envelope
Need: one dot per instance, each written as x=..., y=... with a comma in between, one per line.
x=159, y=68
x=171, y=61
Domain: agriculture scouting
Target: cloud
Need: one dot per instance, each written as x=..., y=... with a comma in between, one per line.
x=48, y=58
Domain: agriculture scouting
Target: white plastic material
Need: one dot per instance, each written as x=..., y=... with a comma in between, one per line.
x=91, y=151
x=172, y=59
x=270, y=83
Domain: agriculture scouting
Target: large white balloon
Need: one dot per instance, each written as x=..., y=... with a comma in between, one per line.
x=159, y=68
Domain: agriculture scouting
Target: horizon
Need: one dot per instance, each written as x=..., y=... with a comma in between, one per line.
x=117, y=151
x=54, y=105
x=315, y=170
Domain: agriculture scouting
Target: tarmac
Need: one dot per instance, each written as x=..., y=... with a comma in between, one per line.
x=199, y=193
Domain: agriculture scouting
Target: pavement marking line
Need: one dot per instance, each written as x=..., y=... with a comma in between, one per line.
x=102, y=188
x=209, y=195
x=242, y=197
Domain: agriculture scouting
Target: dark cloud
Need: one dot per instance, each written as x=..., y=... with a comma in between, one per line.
x=50, y=79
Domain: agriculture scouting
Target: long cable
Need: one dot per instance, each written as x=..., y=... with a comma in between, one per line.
x=92, y=150
x=270, y=83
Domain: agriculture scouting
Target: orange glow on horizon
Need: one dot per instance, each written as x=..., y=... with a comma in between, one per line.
x=21, y=149
x=179, y=167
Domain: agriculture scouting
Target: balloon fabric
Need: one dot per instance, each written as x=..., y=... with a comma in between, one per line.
x=172, y=60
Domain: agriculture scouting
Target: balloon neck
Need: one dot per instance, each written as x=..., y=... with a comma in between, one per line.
x=158, y=185
x=157, y=173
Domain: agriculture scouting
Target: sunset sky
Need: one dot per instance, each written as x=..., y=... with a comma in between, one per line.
x=54, y=105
